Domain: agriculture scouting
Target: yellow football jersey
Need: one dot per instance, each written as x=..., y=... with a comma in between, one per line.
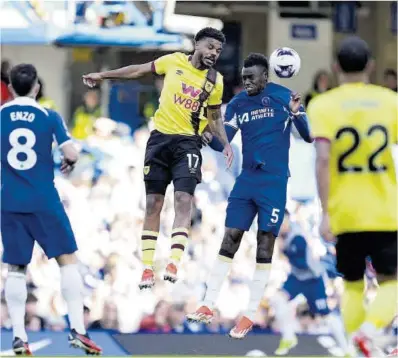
x=180, y=95
x=360, y=121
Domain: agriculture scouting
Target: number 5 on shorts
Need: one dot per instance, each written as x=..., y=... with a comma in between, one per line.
x=275, y=215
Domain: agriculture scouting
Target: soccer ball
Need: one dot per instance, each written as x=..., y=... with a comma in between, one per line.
x=285, y=62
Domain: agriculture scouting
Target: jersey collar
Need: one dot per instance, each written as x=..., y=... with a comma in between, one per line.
x=25, y=101
x=22, y=101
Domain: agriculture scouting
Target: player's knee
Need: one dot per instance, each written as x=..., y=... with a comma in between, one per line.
x=183, y=201
x=185, y=185
x=66, y=259
x=154, y=204
x=231, y=242
x=17, y=268
x=265, y=247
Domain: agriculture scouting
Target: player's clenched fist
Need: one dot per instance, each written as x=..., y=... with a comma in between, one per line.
x=295, y=102
x=92, y=79
x=206, y=137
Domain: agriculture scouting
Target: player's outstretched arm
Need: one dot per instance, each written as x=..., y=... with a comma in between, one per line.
x=124, y=73
x=300, y=119
x=216, y=126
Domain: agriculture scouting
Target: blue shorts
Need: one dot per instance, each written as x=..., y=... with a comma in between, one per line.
x=257, y=192
x=314, y=291
x=51, y=230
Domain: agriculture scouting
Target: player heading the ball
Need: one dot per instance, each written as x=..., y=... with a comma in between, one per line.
x=264, y=114
x=190, y=100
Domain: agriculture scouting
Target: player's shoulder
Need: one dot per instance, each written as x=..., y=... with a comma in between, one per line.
x=51, y=112
x=238, y=99
x=178, y=57
x=220, y=78
x=24, y=103
x=384, y=93
x=174, y=57
x=279, y=91
x=278, y=88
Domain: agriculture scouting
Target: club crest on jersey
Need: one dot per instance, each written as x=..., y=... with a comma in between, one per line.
x=265, y=101
x=147, y=169
x=208, y=86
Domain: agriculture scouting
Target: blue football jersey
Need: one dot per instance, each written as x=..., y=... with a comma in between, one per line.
x=304, y=266
x=27, y=167
x=265, y=122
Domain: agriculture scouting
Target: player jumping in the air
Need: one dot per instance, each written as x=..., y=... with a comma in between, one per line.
x=31, y=210
x=264, y=113
x=356, y=127
x=307, y=277
x=191, y=95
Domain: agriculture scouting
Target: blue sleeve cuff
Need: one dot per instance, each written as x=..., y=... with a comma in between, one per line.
x=216, y=145
x=300, y=121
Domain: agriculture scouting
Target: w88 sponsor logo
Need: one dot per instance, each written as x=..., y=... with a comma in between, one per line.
x=188, y=103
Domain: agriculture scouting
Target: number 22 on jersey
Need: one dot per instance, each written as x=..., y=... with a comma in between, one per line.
x=21, y=155
x=371, y=145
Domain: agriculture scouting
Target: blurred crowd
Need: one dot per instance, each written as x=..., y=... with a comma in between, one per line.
x=105, y=200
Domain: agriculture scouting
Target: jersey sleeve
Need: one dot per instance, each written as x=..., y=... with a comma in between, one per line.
x=231, y=117
x=215, y=99
x=161, y=65
x=61, y=133
x=321, y=124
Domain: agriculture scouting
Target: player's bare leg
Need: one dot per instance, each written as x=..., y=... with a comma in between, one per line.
x=72, y=292
x=265, y=249
x=154, y=205
x=16, y=294
x=179, y=237
x=229, y=247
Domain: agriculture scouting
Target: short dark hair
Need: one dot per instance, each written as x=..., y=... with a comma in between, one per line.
x=353, y=54
x=22, y=78
x=212, y=33
x=256, y=59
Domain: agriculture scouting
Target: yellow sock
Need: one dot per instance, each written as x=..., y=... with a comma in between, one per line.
x=352, y=307
x=148, y=246
x=384, y=307
x=179, y=238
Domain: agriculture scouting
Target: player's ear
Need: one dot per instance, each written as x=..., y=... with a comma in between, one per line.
x=36, y=89
x=370, y=66
x=336, y=67
x=265, y=74
x=11, y=90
